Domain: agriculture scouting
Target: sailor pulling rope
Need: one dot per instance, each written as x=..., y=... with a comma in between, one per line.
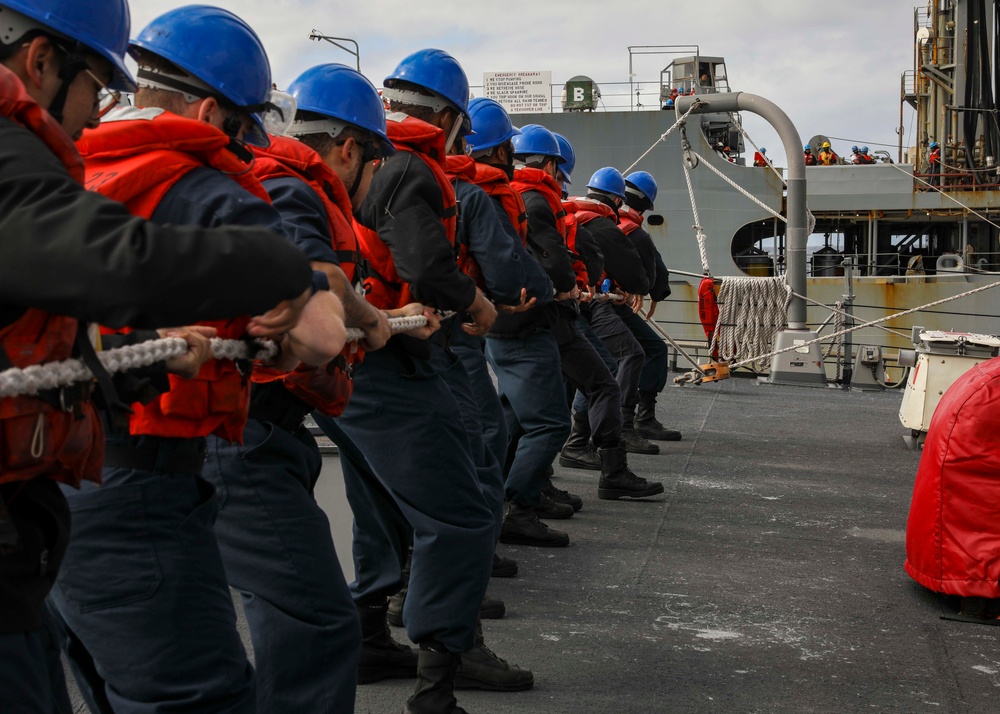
x=31, y=380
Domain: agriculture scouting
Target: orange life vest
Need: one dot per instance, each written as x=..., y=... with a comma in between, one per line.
x=327, y=388
x=135, y=157
x=629, y=219
x=36, y=438
x=579, y=266
x=494, y=181
x=586, y=210
x=383, y=287
x=463, y=168
x=532, y=179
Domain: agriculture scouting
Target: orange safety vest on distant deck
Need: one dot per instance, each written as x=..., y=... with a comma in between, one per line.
x=383, y=287
x=327, y=388
x=37, y=438
x=136, y=156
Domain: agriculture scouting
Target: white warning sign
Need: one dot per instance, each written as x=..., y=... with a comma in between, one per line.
x=520, y=92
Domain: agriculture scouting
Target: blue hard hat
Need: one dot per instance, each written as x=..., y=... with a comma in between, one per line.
x=490, y=125
x=934, y=145
x=609, y=180
x=645, y=183
x=763, y=150
x=437, y=71
x=218, y=48
x=535, y=139
x=102, y=26
x=854, y=148
x=568, y=155
x=807, y=147
x=864, y=149
x=343, y=93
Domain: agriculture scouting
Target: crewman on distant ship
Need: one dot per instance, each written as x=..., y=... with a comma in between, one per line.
x=855, y=155
x=72, y=255
x=827, y=156
x=864, y=157
x=178, y=157
x=934, y=162
x=808, y=155
x=760, y=157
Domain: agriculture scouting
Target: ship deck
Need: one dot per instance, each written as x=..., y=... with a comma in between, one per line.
x=768, y=578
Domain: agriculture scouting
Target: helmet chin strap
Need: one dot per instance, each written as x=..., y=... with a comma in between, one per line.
x=70, y=67
x=455, y=128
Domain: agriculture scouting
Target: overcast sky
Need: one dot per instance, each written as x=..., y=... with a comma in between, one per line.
x=834, y=68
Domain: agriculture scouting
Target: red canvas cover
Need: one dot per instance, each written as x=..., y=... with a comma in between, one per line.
x=953, y=532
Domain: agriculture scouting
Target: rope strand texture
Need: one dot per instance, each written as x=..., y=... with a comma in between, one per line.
x=751, y=313
x=52, y=375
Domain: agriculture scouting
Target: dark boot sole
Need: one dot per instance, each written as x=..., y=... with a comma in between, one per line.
x=554, y=515
x=522, y=540
x=576, y=464
x=370, y=675
x=464, y=682
x=504, y=571
x=614, y=494
x=658, y=436
x=648, y=451
x=494, y=612
x=394, y=618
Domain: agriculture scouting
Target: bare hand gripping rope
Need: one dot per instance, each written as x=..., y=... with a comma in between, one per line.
x=31, y=380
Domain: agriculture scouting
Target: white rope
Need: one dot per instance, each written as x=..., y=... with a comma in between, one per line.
x=751, y=313
x=51, y=375
x=759, y=358
x=699, y=233
x=396, y=325
x=35, y=378
x=664, y=135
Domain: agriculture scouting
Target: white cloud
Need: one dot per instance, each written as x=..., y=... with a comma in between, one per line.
x=834, y=70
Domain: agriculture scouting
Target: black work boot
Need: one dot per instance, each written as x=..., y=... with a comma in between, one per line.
x=435, y=693
x=559, y=496
x=577, y=452
x=481, y=668
x=492, y=608
x=522, y=527
x=618, y=481
x=503, y=567
x=381, y=656
x=394, y=615
x=548, y=508
x=634, y=443
x=645, y=422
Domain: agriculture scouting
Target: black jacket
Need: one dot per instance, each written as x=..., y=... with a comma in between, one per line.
x=548, y=247
x=405, y=207
x=621, y=260
x=656, y=270
x=546, y=244
x=70, y=251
